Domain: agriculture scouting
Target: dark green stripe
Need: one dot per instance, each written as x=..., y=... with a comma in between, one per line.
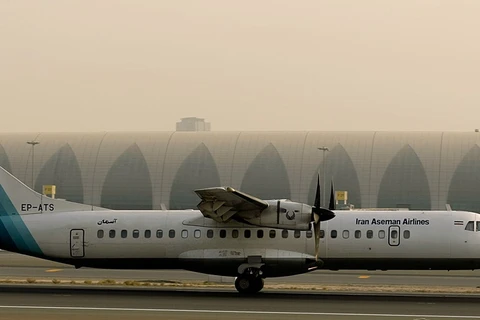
x=14, y=227
x=6, y=242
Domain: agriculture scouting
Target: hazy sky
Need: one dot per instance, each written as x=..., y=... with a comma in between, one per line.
x=68, y=65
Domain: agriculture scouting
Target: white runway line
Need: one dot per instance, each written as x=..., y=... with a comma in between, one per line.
x=246, y=312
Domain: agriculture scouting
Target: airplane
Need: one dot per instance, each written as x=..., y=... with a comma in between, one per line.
x=235, y=234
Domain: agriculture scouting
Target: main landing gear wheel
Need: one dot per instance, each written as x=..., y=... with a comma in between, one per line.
x=248, y=284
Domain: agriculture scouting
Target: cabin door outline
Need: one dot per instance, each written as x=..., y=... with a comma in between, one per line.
x=77, y=243
x=394, y=236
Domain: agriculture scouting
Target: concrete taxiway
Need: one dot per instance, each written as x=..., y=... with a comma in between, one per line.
x=35, y=303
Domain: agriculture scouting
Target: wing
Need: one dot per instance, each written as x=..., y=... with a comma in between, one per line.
x=225, y=203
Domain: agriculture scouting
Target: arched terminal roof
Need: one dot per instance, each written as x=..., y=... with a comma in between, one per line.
x=143, y=170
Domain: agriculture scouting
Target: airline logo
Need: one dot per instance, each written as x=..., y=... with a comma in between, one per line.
x=387, y=222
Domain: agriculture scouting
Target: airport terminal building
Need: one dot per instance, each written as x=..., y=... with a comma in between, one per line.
x=145, y=170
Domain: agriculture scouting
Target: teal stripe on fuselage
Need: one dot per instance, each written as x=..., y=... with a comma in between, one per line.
x=5, y=212
x=14, y=233
x=18, y=232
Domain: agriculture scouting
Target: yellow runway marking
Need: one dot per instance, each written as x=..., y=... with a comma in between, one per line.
x=363, y=277
x=53, y=270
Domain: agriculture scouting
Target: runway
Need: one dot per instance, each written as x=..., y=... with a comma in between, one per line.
x=37, y=303
x=42, y=302
x=14, y=266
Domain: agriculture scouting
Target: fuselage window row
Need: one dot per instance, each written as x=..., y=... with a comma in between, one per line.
x=222, y=233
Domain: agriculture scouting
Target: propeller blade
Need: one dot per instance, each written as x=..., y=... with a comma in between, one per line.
x=317, y=203
x=319, y=214
x=332, y=205
x=316, y=217
x=316, y=229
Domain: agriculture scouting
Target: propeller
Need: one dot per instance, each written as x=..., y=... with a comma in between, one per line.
x=320, y=214
x=331, y=204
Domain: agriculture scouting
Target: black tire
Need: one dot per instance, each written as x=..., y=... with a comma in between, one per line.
x=246, y=284
x=243, y=284
x=260, y=284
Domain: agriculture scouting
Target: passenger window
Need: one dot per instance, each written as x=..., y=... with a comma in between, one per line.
x=223, y=233
x=358, y=234
x=322, y=234
x=309, y=234
x=369, y=234
x=394, y=234
x=209, y=233
x=296, y=234
x=333, y=234
x=159, y=233
x=381, y=234
x=247, y=234
x=285, y=234
x=148, y=234
x=171, y=233
x=136, y=233
x=234, y=233
x=272, y=234
x=111, y=233
x=470, y=226
x=123, y=234
x=184, y=234
x=197, y=233
x=100, y=234
x=259, y=234
x=345, y=234
x=406, y=234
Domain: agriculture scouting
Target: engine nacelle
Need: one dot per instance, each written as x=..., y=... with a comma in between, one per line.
x=284, y=214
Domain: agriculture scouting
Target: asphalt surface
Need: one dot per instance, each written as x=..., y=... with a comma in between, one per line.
x=35, y=302
x=52, y=302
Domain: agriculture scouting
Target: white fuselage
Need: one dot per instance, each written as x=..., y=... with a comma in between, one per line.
x=188, y=240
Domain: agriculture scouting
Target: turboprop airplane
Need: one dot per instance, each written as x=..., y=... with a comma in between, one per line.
x=235, y=234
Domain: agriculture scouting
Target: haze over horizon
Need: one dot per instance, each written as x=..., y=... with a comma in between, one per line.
x=119, y=65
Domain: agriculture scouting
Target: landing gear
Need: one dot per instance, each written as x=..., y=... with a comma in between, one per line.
x=250, y=281
x=248, y=284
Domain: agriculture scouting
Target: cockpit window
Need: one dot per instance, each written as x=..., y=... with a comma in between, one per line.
x=470, y=226
x=478, y=225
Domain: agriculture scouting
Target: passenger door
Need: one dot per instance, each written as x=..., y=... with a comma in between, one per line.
x=77, y=243
x=394, y=236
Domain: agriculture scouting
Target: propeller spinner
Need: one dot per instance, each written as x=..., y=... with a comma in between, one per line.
x=320, y=214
